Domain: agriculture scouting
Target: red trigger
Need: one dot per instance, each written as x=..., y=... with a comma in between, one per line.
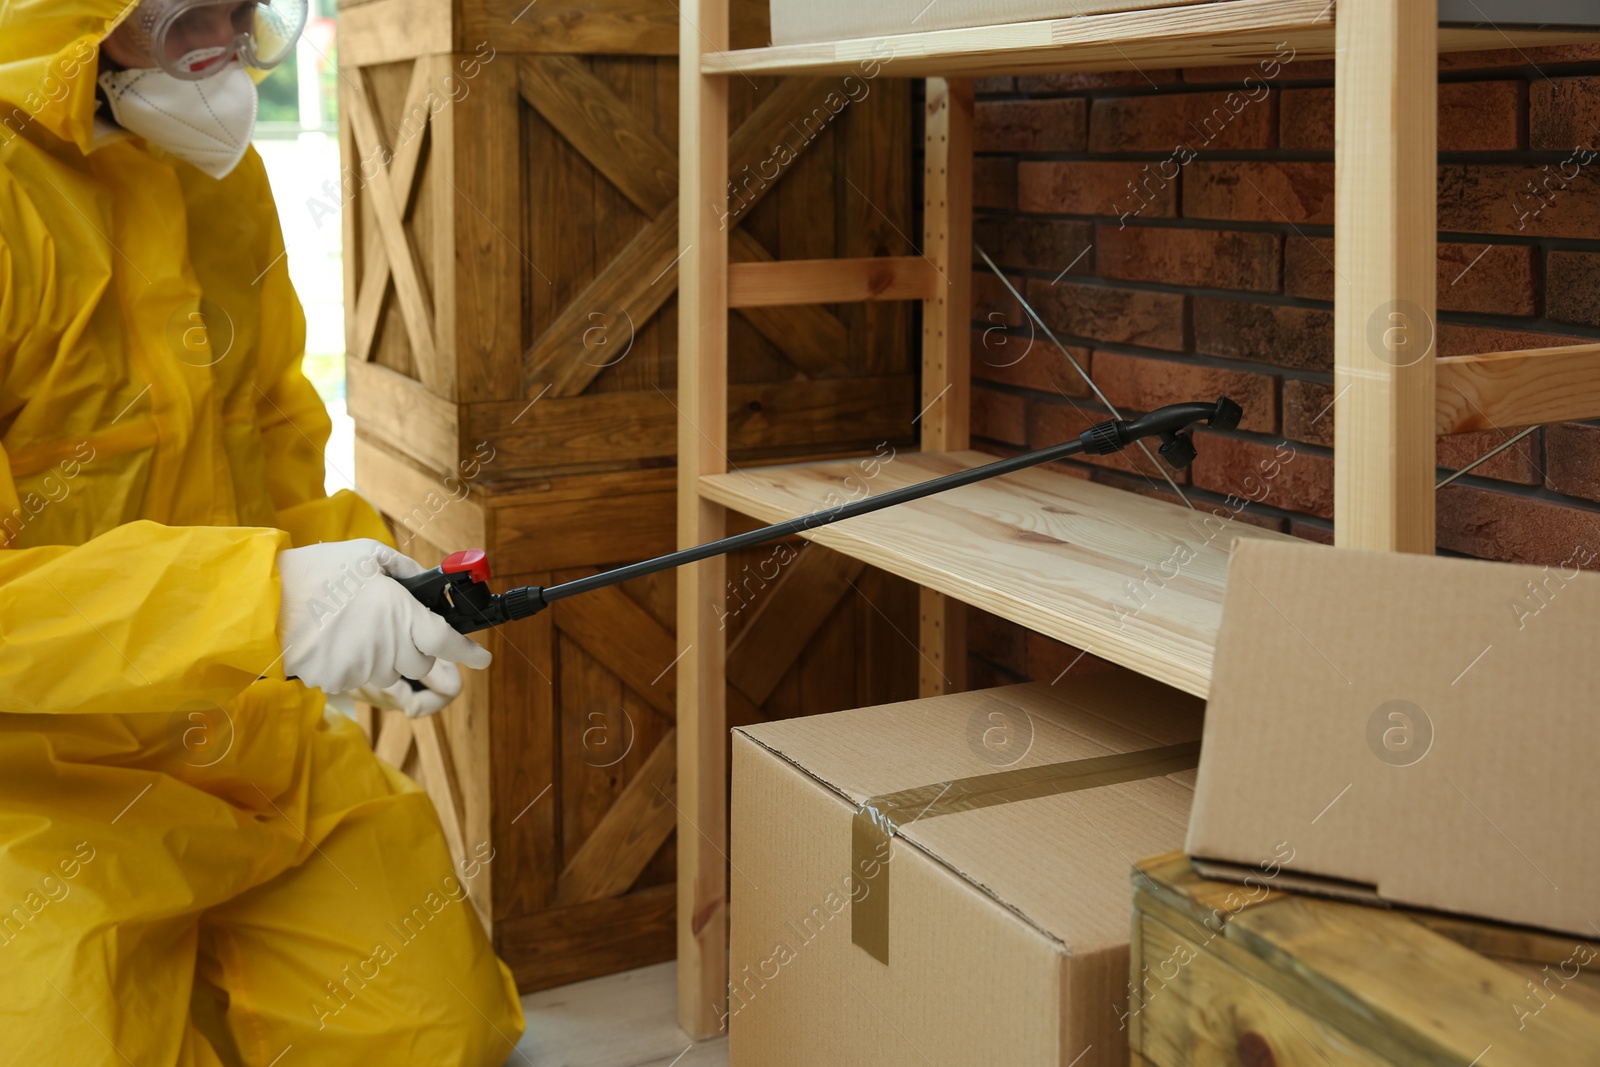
x=472, y=561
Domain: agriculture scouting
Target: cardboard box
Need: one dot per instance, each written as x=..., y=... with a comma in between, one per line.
x=802, y=21
x=992, y=928
x=1407, y=728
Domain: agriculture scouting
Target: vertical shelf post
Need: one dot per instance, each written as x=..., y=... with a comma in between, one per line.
x=1385, y=231
x=946, y=338
x=702, y=449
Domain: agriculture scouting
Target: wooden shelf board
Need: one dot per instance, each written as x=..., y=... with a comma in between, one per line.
x=1057, y=554
x=1520, y=388
x=1201, y=35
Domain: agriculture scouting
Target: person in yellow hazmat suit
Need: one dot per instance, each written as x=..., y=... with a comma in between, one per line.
x=198, y=864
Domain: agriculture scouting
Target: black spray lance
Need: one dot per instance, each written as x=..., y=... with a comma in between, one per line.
x=458, y=588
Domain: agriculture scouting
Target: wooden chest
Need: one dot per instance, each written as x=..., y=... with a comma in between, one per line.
x=555, y=771
x=1245, y=974
x=509, y=206
x=510, y=214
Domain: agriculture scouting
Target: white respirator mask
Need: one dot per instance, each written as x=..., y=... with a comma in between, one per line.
x=207, y=123
x=193, y=93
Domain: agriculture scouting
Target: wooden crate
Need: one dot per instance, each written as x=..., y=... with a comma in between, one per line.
x=1231, y=974
x=555, y=772
x=511, y=236
x=512, y=240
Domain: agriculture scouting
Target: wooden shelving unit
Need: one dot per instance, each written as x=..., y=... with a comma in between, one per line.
x=1196, y=35
x=1071, y=559
x=1055, y=553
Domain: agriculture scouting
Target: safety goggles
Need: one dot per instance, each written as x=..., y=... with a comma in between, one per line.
x=194, y=39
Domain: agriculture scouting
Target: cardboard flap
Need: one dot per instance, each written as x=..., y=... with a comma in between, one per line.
x=1426, y=726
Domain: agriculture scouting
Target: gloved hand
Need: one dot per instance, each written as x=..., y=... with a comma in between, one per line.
x=344, y=622
x=443, y=684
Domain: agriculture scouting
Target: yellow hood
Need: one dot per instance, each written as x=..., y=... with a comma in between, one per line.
x=49, y=59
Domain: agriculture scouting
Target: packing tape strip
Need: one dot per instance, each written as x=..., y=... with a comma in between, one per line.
x=878, y=817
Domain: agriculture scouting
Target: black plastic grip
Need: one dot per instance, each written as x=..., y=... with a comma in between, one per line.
x=1103, y=439
x=523, y=601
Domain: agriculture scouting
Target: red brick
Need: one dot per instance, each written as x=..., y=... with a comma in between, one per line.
x=1030, y=125
x=1159, y=490
x=1308, y=267
x=1070, y=469
x=1287, y=70
x=1279, y=475
x=1134, y=383
x=1155, y=488
x=1481, y=116
x=1520, y=199
x=1473, y=117
x=1520, y=463
x=994, y=182
x=1519, y=57
x=1457, y=340
x=1096, y=189
x=997, y=640
x=1305, y=118
x=999, y=416
x=1308, y=69
x=1039, y=244
x=1491, y=279
x=997, y=352
x=1516, y=528
x=1252, y=517
x=1229, y=120
x=1494, y=279
x=1310, y=531
x=1052, y=423
x=1301, y=338
x=1048, y=659
x=1572, y=459
x=992, y=302
x=1092, y=79
x=1219, y=259
x=1118, y=316
x=1563, y=114
x=1308, y=411
x=1572, y=287
x=1028, y=361
x=1258, y=191
x=1000, y=84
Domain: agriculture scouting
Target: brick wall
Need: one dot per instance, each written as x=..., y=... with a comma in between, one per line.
x=1174, y=229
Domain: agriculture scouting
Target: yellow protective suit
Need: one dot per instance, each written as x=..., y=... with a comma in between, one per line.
x=172, y=810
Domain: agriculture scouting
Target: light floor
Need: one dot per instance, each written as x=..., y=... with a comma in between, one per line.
x=624, y=1020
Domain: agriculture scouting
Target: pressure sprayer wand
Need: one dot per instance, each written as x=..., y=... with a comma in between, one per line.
x=458, y=588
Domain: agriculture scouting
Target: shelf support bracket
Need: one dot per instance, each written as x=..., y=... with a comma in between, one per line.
x=946, y=346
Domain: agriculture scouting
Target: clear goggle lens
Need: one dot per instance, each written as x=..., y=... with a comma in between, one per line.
x=195, y=40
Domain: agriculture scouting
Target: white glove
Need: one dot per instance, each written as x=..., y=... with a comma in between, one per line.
x=344, y=622
x=441, y=686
